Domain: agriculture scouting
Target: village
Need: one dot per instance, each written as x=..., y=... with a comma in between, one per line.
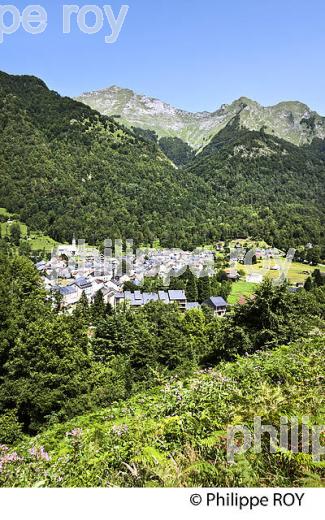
x=76, y=269
x=70, y=270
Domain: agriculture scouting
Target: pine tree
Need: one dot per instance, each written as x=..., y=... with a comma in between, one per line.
x=108, y=309
x=203, y=289
x=176, y=283
x=15, y=233
x=308, y=284
x=318, y=278
x=82, y=310
x=98, y=309
x=192, y=294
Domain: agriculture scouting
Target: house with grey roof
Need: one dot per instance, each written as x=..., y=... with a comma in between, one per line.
x=84, y=285
x=178, y=297
x=163, y=296
x=138, y=299
x=41, y=266
x=217, y=304
x=70, y=295
x=109, y=295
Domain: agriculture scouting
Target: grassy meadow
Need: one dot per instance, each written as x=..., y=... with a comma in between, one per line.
x=37, y=240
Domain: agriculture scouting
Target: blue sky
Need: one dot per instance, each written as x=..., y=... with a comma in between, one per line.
x=193, y=54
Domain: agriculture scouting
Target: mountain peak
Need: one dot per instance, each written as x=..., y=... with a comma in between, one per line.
x=292, y=105
x=243, y=100
x=117, y=88
x=290, y=120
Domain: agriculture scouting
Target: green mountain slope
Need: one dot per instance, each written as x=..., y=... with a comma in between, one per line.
x=66, y=169
x=291, y=120
x=176, y=435
x=265, y=183
x=179, y=152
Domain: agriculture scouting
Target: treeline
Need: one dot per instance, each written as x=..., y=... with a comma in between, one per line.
x=66, y=170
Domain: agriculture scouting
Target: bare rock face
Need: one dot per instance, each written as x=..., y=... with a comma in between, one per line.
x=292, y=120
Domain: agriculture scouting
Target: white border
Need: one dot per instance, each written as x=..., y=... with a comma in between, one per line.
x=147, y=504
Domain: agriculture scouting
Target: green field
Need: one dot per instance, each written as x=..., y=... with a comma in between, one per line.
x=37, y=240
x=41, y=242
x=248, y=243
x=298, y=273
x=4, y=213
x=240, y=289
x=5, y=229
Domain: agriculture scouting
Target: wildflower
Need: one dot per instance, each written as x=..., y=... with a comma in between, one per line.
x=120, y=429
x=39, y=453
x=9, y=458
x=76, y=432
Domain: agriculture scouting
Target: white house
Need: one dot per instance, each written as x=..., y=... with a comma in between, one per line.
x=84, y=285
x=70, y=295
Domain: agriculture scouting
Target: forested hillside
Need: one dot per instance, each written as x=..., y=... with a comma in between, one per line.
x=265, y=186
x=66, y=169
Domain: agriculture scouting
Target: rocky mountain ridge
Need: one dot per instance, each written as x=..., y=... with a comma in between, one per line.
x=292, y=120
